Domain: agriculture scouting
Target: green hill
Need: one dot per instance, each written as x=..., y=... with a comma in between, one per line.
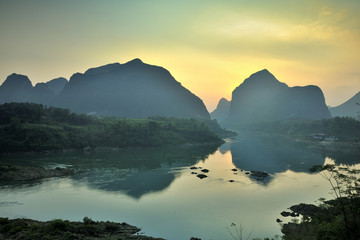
x=34, y=127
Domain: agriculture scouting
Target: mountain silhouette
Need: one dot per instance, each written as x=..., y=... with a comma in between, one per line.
x=41, y=93
x=57, y=85
x=16, y=88
x=350, y=108
x=131, y=90
x=261, y=98
x=222, y=110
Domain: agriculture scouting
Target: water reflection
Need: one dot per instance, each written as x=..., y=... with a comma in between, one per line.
x=276, y=154
x=272, y=154
x=116, y=186
x=347, y=156
x=135, y=171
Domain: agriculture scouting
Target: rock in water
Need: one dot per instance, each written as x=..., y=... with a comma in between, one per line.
x=201, y=176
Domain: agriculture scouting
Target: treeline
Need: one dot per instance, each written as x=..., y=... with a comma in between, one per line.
x=343, y=128
x=37, y=113
x=34, y=127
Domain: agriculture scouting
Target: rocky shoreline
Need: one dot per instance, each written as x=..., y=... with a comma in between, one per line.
x=28, y=173
x=12, y=229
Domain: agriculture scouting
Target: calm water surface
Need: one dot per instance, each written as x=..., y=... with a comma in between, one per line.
x=156, y=190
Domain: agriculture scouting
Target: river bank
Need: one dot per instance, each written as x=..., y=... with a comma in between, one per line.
x=307, y=140
x=62, y=229
x=30, y=173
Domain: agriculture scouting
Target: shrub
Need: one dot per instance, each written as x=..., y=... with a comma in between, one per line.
x=88, y=220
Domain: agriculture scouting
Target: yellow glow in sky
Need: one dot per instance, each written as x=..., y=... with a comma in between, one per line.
x=209, y=46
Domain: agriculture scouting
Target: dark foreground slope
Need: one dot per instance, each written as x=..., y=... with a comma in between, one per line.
x=33, y=127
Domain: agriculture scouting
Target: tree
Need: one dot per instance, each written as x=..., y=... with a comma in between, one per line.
x=345, y=185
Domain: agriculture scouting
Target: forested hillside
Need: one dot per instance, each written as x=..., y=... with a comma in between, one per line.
x=34, y=127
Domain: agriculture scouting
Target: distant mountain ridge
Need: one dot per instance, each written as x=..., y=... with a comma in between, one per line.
x=222, y=110
x=261, y=98
x=350, y=108
x=132, y=90
x=18, y=88
x=138, y=90
x=57, y=85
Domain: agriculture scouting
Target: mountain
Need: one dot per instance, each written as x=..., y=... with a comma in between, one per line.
x=133, y=90
x=222, y=110
x=16, y=88
x=57, y=85
x=41, y=93
x=261, y=98
x=350, y=108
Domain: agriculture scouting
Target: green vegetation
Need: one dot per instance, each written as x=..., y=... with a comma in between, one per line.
x=344, y=128
x=213, y=126
x=34, y=127
x=57, y=229
x=335, y=219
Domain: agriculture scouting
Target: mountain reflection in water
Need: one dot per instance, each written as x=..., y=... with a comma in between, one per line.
x=134, y=171
x=138, y=171
x=140, y=185
x=273, y=154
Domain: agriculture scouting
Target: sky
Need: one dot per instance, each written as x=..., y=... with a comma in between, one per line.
x=209, y=46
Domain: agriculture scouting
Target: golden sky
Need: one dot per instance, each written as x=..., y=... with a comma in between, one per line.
x=209, y=46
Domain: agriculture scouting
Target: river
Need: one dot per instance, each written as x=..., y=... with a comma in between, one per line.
x=155, y=189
